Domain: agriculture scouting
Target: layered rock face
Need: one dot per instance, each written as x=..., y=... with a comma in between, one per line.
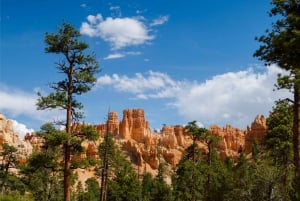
x=7, y=135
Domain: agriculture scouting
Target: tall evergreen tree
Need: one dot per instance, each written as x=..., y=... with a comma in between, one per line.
x=122, y=183
x=279, y=137
x=43, y=169
x=188, y=181
x=79, y=70
x=281, y=46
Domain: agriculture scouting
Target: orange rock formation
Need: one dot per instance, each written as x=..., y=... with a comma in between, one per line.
x=146, y=147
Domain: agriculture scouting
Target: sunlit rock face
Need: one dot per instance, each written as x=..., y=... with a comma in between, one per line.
x=134, y=125
x=9, y=136
x=257, y=131
x=232, y=140
x=143, y=146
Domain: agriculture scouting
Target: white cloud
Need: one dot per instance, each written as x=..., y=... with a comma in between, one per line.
x=234, y=97
x=21, y=129
x=114, y=56
x=155, y=85
x=15, y=102
x=119, y=32
x=159, y=21
x=120, y=55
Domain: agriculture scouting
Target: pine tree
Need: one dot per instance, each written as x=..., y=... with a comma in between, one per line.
x=281, y=46
x=122, y=183
x=79, y=69
x=9, y=183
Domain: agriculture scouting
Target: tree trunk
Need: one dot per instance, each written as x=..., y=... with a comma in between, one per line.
x=296, y=136
x=67, y=173
x=67, y=145
x=104, y=175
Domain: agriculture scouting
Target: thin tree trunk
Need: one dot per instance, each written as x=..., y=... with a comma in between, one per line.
x=103, y=190
x=67, y=145
x=296, y=136
x=67, y=173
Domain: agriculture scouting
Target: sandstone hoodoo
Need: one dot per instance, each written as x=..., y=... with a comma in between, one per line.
x=146, y=147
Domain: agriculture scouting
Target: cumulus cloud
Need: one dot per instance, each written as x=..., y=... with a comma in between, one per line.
x=21, y=129
x=233, y=97
x=119, y=32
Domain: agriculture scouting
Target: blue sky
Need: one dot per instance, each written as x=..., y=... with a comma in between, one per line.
x=178, y=60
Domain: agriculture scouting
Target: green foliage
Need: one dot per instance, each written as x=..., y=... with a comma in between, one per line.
x=8, y=181
x=278, y=143
x=92, y=188
x=110, y=148
x=124, y=184
x=193, y=130
x=14, y=196
x=90, y=133
x=43, y=169
x=78, y=67
x=45, y=185
x=43, y=176
x=11, y=183
x=9, y=159
x=147, y=187
x=255, y=150
x=197, y=134
x=53, y=137
x=281, y=46
x=156, y=188
x=188, y=181
x=279, y=137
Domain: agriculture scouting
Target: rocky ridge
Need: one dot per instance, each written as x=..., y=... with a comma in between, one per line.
x=149, y=148
x=145, y=147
